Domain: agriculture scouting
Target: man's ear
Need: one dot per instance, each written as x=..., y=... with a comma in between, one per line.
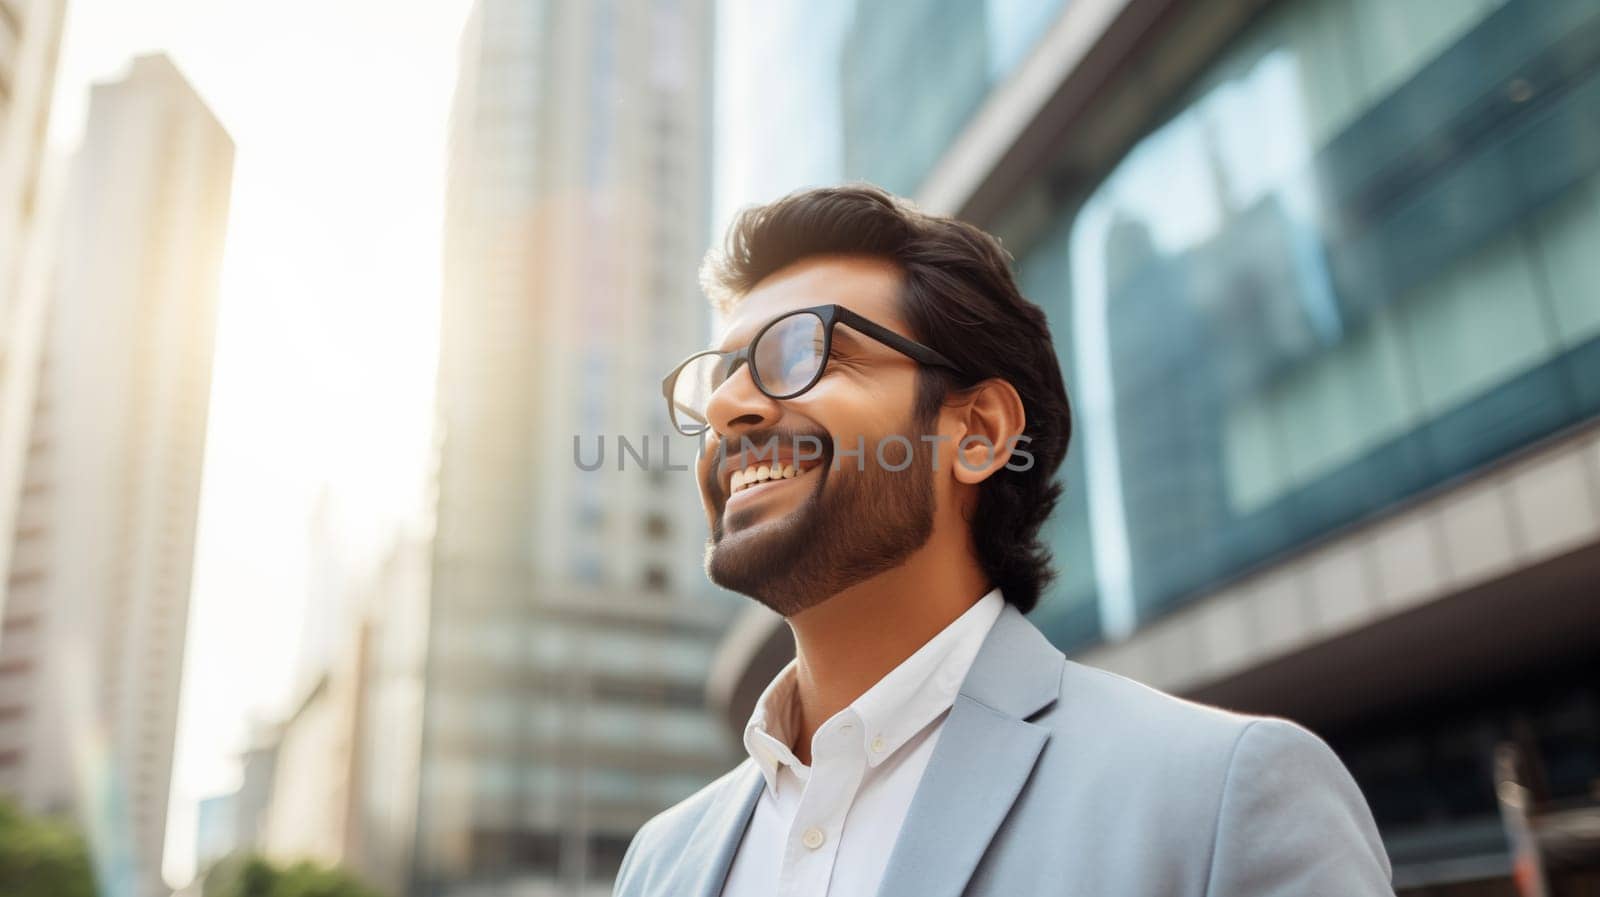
x=990, y=420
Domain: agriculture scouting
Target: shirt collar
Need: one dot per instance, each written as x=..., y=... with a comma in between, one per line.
x=893, y=710
x=769, y=731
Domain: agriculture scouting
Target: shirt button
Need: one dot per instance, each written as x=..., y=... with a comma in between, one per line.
x=813, y=838
x=877, y=744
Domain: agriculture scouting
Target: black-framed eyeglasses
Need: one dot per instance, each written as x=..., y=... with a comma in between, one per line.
x=786, y=357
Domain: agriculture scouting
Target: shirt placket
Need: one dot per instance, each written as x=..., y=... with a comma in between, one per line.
x=812, y=844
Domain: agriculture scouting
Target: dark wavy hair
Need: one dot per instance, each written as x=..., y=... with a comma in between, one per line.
x=958, y=296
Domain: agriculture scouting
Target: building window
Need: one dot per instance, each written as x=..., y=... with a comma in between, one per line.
x=21, y=622
x=26, y=576
x=655, y=579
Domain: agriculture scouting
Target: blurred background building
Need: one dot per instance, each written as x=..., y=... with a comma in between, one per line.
x=257, y=772
x=216, y=828
x=98, y=588
x=568, y=627
x=1322, y=278
x=30, y=42
x=308, y=766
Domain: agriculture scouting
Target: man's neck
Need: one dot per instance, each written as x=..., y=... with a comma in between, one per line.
x=844, y=645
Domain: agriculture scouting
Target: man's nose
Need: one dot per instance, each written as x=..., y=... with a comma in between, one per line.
x=738, y=406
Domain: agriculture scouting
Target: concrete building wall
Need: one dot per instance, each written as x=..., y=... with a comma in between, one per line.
x=30, y=39
x=306, y=813
x=388, y=732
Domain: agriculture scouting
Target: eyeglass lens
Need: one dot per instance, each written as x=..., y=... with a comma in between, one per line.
x=787, y=356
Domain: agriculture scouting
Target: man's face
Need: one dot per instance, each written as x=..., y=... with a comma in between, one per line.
x=792, y=543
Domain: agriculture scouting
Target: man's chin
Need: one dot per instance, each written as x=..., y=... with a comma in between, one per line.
x=758, y=558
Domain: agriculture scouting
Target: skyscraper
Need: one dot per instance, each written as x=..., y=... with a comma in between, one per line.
x=570, y=623
x=30, y=40
x=105, y=539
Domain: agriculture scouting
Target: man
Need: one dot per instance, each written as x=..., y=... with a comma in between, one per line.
x=882, y=421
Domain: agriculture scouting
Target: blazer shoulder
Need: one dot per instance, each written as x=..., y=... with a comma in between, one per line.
x=1202, y=765
x=1294, y=821
x=1133, y=709
x=1133, y=728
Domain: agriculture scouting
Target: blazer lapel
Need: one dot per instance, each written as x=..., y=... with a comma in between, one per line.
x=703, y=866
x=985, y=753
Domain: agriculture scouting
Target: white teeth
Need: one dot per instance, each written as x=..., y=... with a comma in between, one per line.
x=760, y=473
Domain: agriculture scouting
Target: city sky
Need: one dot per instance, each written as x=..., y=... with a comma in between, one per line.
x=327, y=326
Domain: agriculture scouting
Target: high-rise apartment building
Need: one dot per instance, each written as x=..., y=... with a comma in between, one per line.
x=569, y=624
x=1321, y=275
x=30, y=40
x=99, y=584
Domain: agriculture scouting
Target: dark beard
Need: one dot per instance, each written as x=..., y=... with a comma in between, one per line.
x=869, y=521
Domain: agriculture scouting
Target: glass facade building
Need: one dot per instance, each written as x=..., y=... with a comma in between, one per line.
x=1355, y=263
x=862, y=90
x=1314, y=268
x=1350, y=263
x=953, y=52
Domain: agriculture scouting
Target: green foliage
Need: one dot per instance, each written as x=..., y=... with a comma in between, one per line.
x=253, y=876
x=42, y=857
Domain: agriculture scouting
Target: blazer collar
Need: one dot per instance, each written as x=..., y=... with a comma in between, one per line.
x=985, y=752
x=1017, y=671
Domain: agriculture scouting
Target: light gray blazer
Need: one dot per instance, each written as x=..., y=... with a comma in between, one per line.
x=1053, y=778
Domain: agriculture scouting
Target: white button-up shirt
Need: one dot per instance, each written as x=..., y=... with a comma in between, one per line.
x=826, y=830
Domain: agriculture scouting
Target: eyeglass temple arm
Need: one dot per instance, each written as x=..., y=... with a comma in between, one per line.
x=884, y=335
